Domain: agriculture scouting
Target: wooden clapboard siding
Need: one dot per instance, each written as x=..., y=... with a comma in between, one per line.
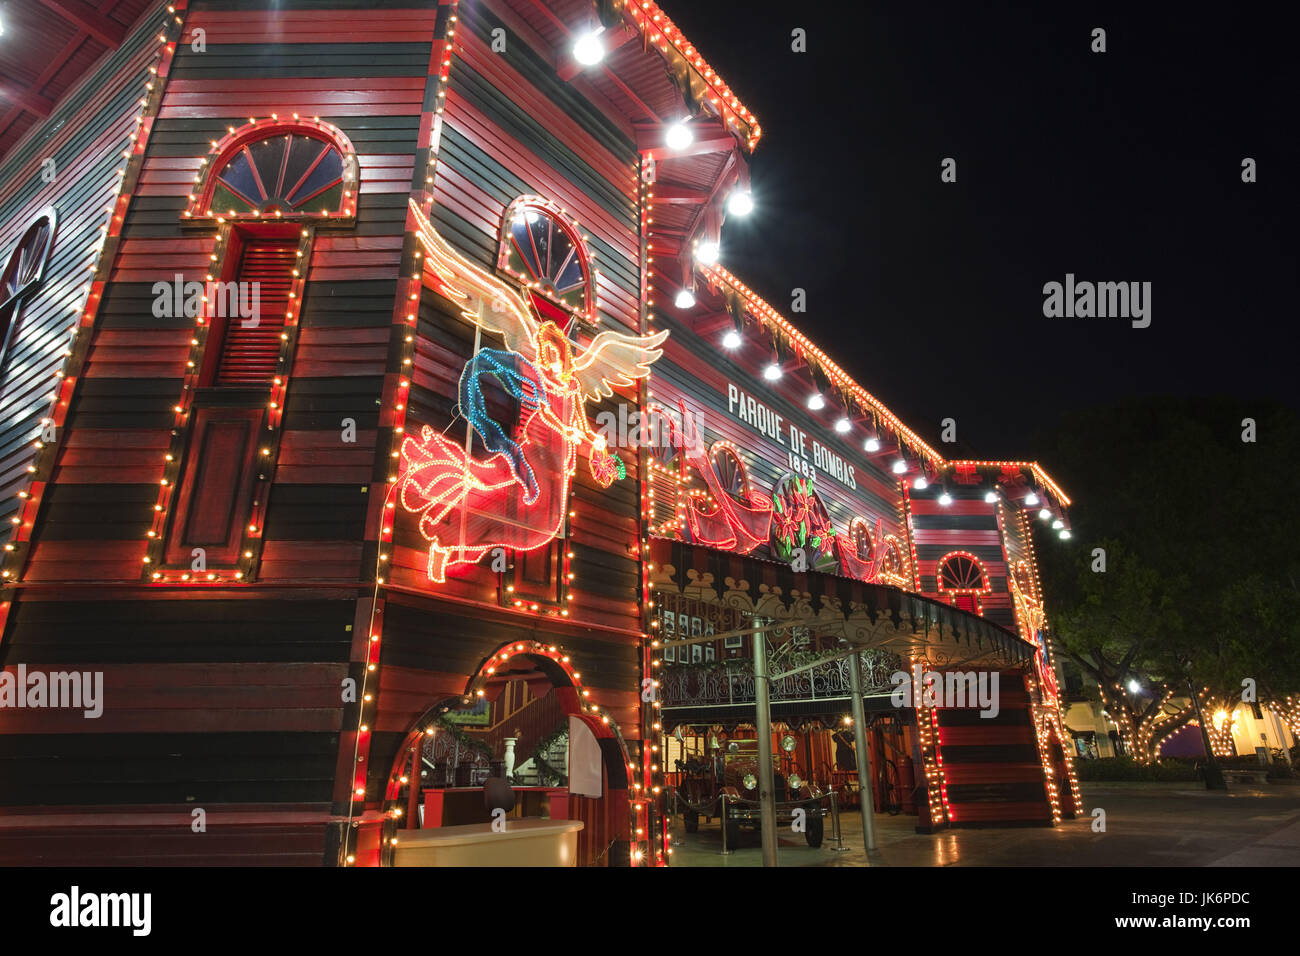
x=425, y=656
x=228, y=699
x=85, y=137
x=969, y=524
x=204, y=700
x=990, y=765
x=511, y=128
x=103, y=836
x=228, y=696
x=137, y=359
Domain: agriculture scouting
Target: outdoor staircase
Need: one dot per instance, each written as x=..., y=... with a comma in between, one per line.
x=991, y=766
x=528, y=774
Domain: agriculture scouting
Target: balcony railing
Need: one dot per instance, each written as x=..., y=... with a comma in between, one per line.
x=732, y=681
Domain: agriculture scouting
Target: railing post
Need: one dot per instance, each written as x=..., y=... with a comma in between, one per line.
x=763, y=728
x=723, y=821
x=866, y=801
x=835, y=821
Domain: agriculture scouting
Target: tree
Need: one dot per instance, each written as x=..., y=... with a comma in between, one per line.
x=1201, y=572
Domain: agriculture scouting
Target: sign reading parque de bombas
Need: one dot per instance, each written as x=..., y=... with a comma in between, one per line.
x=735, y=472
x=806, y=456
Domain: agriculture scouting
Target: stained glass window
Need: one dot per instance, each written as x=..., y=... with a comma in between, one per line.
x=542, y=249
x=285, y=173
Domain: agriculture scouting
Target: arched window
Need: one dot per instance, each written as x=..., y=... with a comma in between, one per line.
x=274, y=170
x=543, y=249
x=27, y=361
x=962, y=579
x=266, y=188
x=23, y=272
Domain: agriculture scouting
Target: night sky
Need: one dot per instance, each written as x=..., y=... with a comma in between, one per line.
x=1120, y=166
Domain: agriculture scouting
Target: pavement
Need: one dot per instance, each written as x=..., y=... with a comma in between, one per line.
x=1146, y=824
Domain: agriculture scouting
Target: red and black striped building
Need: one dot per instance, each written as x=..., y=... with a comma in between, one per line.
x=323, y=323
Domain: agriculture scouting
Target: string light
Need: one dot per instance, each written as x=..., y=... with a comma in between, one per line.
x=68, y=375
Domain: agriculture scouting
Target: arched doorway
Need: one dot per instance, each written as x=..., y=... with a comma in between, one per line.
x=516, y=717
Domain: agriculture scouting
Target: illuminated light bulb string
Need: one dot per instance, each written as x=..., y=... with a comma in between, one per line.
x=1287, y=711
x=200, y=209
x=582, y=240
x=934, y=463
x=1221, y=713
x=102, y=254
x=199, y=212
x=653, y=737
x=718, y=276
x=392, y=810
x=1047, y=722
x=662, y=33
x=927, y=725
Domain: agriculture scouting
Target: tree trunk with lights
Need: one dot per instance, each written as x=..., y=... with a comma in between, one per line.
x=1217, y=729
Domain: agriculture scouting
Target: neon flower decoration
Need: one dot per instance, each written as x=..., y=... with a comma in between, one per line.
x=606, y=468
x=511, y=490
x=800, y=522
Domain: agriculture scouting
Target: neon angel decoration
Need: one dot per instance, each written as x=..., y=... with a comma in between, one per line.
x=502, y=487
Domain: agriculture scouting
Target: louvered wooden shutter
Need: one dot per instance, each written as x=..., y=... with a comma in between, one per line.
x=250, y=354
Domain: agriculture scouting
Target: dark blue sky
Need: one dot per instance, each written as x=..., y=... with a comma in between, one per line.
x=1122, y=166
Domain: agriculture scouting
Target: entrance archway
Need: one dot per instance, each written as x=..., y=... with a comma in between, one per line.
x=543, y=676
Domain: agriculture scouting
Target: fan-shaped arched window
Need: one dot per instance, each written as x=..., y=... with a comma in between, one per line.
x=962, y=578
x=267, y=169
x=23, y=271
x=543, y=249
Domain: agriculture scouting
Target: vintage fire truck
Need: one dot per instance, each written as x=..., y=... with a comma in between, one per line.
x=733, y=773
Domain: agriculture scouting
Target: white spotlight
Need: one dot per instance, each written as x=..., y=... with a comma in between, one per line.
x=685, y=299
x=945, y=499
x=900, y=466
x=920, y=483
x=816, y=402
x=740, y=203
x=1044, y=514
x=991, y=496
x=1031, y=499
x=707, y=252
x=731, y=340
x=871, y=444
x=843, y=425
x=772, y=372
x=589, y=49
x=679, y=136
x=1065, y=534
x=1134, y=687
